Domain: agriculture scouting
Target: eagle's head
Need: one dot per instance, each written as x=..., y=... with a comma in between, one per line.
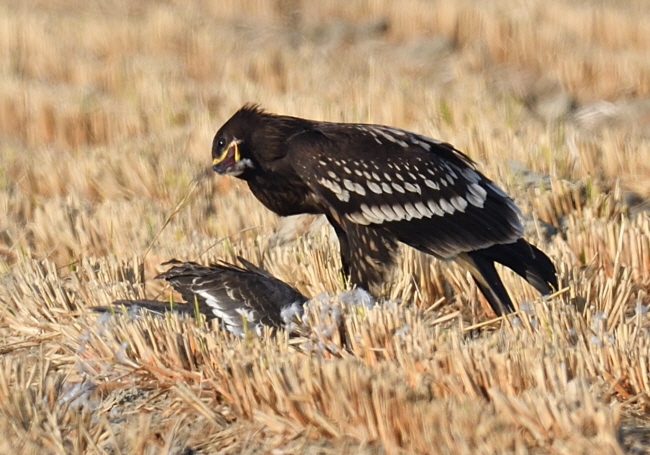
x=252, y=141
x=232, y=147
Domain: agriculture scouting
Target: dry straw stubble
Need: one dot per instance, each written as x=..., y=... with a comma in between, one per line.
x=106, y=117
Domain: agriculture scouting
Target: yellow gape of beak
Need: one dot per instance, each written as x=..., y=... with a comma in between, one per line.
x=236, y=156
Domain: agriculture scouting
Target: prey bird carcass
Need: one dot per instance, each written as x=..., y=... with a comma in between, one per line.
x=243, y=299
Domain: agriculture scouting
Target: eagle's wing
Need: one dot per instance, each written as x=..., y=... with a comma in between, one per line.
x=423, y=192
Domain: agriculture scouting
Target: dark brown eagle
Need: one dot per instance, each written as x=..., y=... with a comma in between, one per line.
x=241, y=297
x=377, y=186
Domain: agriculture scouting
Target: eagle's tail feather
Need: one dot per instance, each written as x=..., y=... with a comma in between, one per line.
x=521, y=257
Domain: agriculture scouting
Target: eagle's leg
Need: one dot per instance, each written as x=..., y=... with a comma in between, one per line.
x=344, y=249
x=367, y=254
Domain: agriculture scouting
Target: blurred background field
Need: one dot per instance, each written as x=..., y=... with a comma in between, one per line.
x=107, y=112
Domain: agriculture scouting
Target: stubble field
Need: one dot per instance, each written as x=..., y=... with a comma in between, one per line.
x=107, y=112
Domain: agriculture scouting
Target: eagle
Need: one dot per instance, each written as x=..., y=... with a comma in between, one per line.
x=380, y=186
x=243, y=298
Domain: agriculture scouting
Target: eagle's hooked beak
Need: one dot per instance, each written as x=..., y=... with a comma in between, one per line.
x=228, y=158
